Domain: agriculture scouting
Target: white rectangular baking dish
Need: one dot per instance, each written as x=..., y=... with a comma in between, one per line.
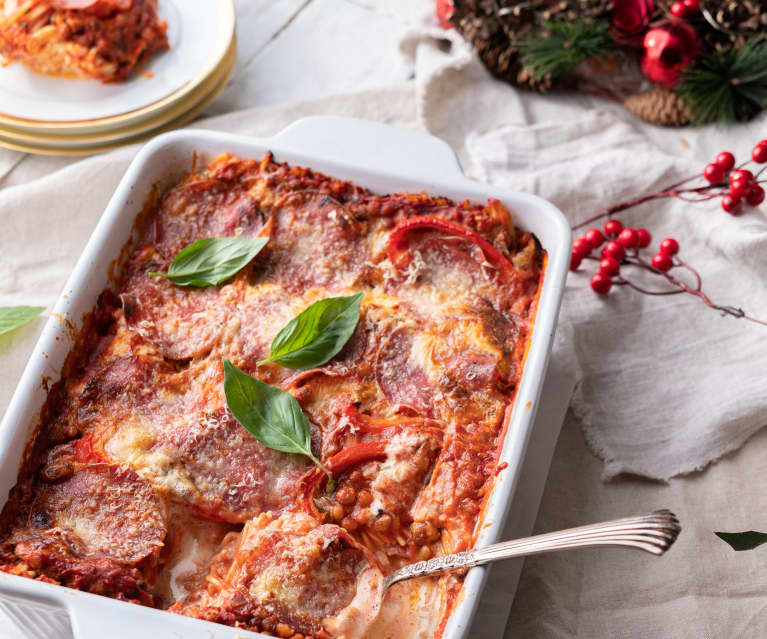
x=381, y=157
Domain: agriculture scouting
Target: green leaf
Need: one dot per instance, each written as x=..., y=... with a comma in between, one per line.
x=271, y=415
x=12, y=317
x=743, y=540
x=317, y=334
x=211, y=261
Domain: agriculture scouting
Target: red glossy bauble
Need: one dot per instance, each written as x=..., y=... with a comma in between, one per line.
x=668, y=50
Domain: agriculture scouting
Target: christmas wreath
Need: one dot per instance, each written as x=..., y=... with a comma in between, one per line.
x=670, y=63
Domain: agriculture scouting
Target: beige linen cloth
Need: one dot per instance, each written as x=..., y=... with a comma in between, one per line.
x=666, y=385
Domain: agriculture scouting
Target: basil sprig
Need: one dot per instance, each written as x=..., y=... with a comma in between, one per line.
x=12, y=317
x=211, y=261
x=747, y=540
x=271, y=415
x=317, y=334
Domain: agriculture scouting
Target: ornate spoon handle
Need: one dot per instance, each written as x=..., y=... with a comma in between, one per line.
x=653, y=533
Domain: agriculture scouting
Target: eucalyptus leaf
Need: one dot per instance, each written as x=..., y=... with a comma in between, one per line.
x=317, y=334
x=12, y=317
x=212, y=261
x=271, y=415
x=747, y=540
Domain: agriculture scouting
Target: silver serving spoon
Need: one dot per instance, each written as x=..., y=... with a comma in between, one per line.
x=653, y=533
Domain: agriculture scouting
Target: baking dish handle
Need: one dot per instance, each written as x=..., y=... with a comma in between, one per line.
x=370, y=145
x=98, y=622
x=44, y=611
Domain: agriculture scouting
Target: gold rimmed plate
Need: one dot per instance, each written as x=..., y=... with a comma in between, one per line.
x=95, y=144
x=200, y=34
x=131, y=130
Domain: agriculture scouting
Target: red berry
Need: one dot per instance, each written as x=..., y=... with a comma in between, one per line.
x=714, y=173
x=609, y=266
x=759, y=154
x=726, y=160
x=678, y=10
x=445, y=10
x=614, y=250
x=741, y=174
x=692, y=6
x=731, y=203
x=739, y=188
x=601, y=284
x=581, y=247
x=643, y=238
x=575, y=261
x=755, y=195
x=613, y=228
x=662, y=261
x=669, y=246
x=628, y=238
x=595, y=237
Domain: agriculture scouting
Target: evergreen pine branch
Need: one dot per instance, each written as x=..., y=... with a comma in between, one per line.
x=562, y=45
x=727, y=86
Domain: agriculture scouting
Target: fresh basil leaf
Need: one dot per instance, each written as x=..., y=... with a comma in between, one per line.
x=747, y=540
x=271, y=415
x=12, y=317
x=317, y=334
x=211, y=261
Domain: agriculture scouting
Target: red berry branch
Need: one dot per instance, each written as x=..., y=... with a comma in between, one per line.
x=623, y=247
x=733, y=186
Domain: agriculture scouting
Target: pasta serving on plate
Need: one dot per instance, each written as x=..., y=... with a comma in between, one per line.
x=104, y=39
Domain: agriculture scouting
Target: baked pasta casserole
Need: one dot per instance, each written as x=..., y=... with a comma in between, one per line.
x=140, y=484
x=104, y=39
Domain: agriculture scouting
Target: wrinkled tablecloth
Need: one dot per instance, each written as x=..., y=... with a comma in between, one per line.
x=666, y=385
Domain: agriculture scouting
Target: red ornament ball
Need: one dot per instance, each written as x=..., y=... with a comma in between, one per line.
x=594, y=237
x=668, y=50
x=731, y=203
x=726, y=160
x=614, y=250
x=692, y=6
x=669, y=246
x=662, y=262
x=755, y=195
x=581, y=247
x=601, y=284
x=628, y=238
x=609, y=266
x=643, y=238
x=759, y=154
x=613, y=228
x=714, y=173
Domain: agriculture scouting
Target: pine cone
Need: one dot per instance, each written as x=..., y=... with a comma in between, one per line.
x=659, y=106
x=736, y=22
x=527, y=80
x=493, y=26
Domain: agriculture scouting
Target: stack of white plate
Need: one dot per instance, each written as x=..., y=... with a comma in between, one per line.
x=64, y=116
